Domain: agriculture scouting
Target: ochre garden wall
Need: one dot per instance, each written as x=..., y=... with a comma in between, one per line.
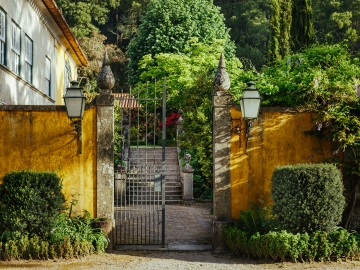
x=43, y=138
x=276, y=138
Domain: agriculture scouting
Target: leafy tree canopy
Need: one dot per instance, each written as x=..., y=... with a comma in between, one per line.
x=249, y=22
x=313, y=79
x=338, y=22
x=86, y=15
x=95, y=48
x=168, y=26
x=183, y=70
x=189, y=79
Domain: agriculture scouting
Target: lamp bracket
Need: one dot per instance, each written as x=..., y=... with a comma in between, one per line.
x=78, y=128
x=236, y=126
x=248, y=126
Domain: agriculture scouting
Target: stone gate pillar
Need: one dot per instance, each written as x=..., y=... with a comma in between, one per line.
x=105, y=148
x=221, y=153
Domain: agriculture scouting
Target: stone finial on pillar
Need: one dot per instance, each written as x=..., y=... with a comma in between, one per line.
x=105, y=148
x=106, y=80
x=222, y=80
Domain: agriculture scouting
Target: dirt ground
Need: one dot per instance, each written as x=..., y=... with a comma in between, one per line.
x=169, y=260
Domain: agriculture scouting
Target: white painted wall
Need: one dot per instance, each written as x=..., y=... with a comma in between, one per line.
x=14, y=90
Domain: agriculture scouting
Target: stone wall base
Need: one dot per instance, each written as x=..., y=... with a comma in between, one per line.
x=218, y=241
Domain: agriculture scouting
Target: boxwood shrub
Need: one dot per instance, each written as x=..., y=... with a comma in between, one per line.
x=307, y=197
x=30, y=202
x=282, y=245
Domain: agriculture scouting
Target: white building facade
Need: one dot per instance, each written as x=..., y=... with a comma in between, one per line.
x=39, y=55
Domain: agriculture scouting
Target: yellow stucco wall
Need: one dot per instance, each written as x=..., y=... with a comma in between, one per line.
x=60, y=69
x=61, y=57
x=47, y=141
x=275, y=138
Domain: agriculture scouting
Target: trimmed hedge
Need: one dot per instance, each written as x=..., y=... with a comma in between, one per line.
x=30, y=201
x=284, y=245
x=36, y=249
x=307, y=197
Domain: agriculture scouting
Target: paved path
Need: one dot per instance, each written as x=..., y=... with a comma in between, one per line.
x=188, y=225
x=187, y=228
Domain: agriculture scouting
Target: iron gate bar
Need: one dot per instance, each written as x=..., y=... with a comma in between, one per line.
x=163, y=160
x=138, y=219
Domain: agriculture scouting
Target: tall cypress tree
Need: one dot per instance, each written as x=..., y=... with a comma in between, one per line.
x=285, y=25
x=279, y=45
x=302, y=30
x=274, y=46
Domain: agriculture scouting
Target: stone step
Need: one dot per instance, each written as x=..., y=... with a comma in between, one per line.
x=147, y=190
x=144, y=164
x=141, y=170
x=151, y=197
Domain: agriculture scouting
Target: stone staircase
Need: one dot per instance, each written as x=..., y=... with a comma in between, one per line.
x=144, y=164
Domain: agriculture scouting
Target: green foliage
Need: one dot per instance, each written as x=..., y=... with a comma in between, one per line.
x=94, y=48
x=316, y=79
x=193, y=68
x=170, y=30
x=34, y=248
x=302, y=29
x=256, y=219
x=83, y=16
x=307, y=197
x=249, y=23
x=70, y=237
x=30, y=201
x=189, y=79
x=338, y=22
x=78, y=229
x=282, y=245
x=279, y=45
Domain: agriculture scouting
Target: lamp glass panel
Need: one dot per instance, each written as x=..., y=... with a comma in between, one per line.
x=251, y=108
x=74, y=106
x=250, y=104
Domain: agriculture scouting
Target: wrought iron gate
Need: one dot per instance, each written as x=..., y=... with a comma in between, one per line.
x=140, y=177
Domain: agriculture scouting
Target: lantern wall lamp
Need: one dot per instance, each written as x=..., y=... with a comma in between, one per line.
x=75, y=105
x=250, y=105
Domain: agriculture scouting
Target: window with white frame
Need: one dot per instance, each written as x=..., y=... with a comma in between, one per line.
x=15, y=48
x=67, y=74
x=28, y=59
x=2, y=36
x=48, y=76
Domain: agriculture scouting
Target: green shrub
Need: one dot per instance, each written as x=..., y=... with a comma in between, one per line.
x=79, y=229
x=283, y=245
x=30, y=201
x=344, y=244
x=256, y=219
x=307, y=197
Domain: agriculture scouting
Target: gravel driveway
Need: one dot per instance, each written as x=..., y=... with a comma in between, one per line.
x=168, y=260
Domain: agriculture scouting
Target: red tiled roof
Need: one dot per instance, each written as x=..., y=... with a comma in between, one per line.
x=125, y=101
